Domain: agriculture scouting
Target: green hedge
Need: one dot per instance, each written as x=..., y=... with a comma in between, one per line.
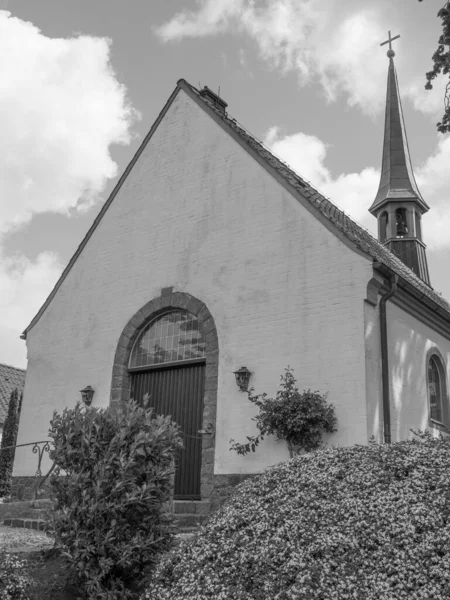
x=362, y=522
x=14, y=580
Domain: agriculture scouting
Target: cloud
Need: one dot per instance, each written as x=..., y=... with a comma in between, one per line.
x=61, y=107
x=213, y=17
x=304, y=153
x=335, y=42
x=430, y=102
x=433, y=179
x=355, y=192
x=24, y=286
x=318, y=39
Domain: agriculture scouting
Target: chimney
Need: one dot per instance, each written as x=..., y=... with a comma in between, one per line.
x=213, y=98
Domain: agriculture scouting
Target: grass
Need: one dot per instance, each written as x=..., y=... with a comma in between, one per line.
x=48, y=570
x=46, y=566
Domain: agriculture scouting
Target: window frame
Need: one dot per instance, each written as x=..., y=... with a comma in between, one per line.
x=168, y=364
x=436, y=355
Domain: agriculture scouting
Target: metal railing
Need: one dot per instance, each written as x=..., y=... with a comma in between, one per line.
x=37, y=449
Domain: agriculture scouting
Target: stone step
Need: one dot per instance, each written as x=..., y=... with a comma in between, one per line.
x=44, y=503
x=38, y=524
x=184, y=535
x=188, y=520
x=198, y=507
x=21, y=510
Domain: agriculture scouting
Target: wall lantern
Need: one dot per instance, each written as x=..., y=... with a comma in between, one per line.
x=242, y=378
x=87, y=394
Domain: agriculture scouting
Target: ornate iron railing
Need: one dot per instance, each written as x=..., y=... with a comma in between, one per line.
x=37, y=449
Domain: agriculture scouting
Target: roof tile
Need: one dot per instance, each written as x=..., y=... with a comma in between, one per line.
x=10, y=378
x=354, y=232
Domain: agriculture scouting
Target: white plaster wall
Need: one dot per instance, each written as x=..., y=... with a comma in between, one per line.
x=374, y=389
x=408, y=343
x=201, y=215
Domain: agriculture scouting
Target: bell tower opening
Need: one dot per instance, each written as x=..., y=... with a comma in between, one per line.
x=400, y=222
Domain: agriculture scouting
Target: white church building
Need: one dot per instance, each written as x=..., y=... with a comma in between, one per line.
x=211, y=254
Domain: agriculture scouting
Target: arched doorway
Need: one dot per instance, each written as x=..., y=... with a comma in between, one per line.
x=169, y=349
x=167, y=362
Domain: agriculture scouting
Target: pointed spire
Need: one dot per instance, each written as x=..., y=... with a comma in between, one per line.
x=397, y=180
x=399, y=205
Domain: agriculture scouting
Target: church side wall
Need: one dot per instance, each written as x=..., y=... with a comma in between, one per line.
x=198, y=214
x=409, y=341
x=374, y=394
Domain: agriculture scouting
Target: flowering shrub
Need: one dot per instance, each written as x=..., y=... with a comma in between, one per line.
x=298, y=418
x=109, y=510
x=362, y=522
x=13, y=578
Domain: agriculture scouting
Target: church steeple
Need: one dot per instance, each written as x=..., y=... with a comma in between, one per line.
x=399, y=205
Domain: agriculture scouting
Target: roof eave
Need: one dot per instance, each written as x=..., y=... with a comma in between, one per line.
x=415, y=292
x=398, y=196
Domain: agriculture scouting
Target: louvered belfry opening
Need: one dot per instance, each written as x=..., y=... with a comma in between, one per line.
x=168, y=363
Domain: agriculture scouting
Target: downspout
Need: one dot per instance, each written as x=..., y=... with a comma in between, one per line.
x=385, y=359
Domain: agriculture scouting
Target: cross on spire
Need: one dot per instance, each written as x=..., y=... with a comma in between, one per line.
x=390, y=52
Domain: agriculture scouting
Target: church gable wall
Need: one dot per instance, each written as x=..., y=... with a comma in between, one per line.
x=410, y=342
x=198, y=214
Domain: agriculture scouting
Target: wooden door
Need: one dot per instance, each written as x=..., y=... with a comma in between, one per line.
x=178, y=391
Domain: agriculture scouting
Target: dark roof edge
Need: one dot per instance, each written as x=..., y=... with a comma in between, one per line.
x=313, y=201
x=409, y=298
x=12, y=367
x=333, y=227
x=104, y=208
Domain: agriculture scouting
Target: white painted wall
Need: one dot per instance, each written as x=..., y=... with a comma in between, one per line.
x=374, y=388
x=408, y=343
x=199, y=214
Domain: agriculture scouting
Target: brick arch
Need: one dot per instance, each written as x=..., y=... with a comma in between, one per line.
x=120, y=387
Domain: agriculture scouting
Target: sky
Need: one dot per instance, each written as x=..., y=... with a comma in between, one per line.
x=82, y=82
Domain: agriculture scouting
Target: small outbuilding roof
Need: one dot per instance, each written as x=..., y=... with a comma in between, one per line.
x=10, y=378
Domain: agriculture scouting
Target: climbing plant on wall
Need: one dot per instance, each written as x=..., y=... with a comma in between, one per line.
x=297, y=417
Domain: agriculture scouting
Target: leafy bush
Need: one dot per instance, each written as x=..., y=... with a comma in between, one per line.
x=108, y=510
x=362, y=522
x=13, y=578
x=9, y=439
x=298, y=418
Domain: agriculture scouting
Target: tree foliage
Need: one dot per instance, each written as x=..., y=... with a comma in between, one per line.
x=109, y=510
x=298, y=418
x=9, y=439
x=441, y=60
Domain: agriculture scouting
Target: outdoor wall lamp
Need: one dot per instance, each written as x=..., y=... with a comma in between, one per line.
x=242, y=378
x=87, y=394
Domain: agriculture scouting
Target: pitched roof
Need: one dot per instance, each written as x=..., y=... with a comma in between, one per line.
x=397, y=180
x=354, y=232
x=10, y=378
x=358, y=236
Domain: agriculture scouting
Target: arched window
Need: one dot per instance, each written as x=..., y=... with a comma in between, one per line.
x=383, y=226
x=437, y=392
x=172, y=337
